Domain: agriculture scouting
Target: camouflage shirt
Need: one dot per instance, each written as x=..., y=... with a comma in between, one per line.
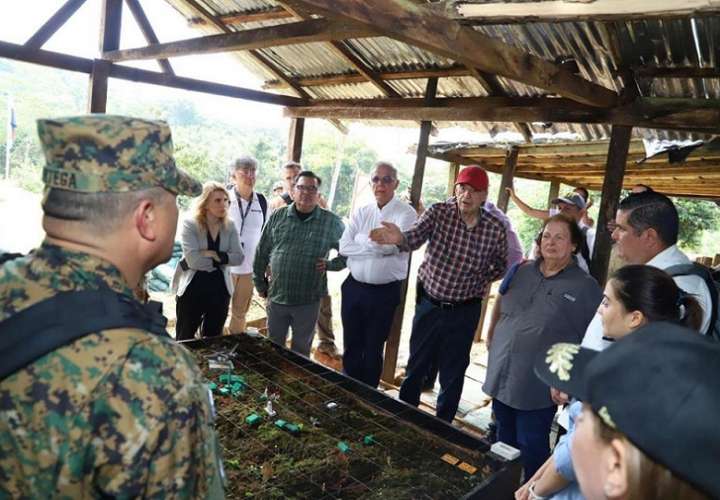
x=119, y=413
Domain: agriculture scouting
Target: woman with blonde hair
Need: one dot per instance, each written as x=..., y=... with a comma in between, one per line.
x=202, y=279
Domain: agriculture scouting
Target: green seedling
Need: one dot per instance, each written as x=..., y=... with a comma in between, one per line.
x=369, y=440
x=280, y=423
x=343, y=447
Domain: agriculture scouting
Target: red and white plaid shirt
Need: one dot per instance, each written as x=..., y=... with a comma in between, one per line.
x=460, y=263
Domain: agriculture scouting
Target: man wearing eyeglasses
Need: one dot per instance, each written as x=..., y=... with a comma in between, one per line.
x=325, y=332
x=467, y=250
x=371, y=292
x=248, y=211
x=295, y=244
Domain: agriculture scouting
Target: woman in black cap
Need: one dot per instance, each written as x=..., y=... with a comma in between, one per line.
x=634, y=296
x=648, y=427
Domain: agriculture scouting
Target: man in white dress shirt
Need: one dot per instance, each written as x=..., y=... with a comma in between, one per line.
x=646, y=232
x=371, y=293
x=249, y=211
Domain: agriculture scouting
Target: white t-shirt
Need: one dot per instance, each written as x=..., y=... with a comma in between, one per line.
x=249, y=224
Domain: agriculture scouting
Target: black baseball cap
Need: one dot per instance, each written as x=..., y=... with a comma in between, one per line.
x=659, y=386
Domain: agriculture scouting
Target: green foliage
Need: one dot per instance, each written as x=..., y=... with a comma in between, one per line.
x=205, y=147
x=696, y=217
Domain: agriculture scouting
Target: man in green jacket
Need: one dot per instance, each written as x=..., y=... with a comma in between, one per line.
x=295, y=245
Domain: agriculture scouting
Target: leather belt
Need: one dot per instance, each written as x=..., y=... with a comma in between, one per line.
x=447, y=305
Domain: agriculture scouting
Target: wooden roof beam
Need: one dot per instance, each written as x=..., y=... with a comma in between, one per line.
x=256, y=16
x=148, y=32
x=493, y=88
x=700, y=115
x=356, y=77
x=563, y=10
x=676, y=72
x=83, y=65
x=53, y=24
x=422, y=27
x=314, y=30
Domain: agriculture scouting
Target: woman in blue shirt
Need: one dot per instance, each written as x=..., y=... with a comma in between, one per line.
x=634, y=296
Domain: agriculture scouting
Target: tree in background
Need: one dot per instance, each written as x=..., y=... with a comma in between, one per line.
x=696, y=217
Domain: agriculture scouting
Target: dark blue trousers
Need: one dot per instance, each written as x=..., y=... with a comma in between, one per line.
x=526, y=430
x=445, y=334
x=367, y=314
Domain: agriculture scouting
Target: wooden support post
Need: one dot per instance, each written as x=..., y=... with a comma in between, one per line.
x=614, y=174
x=511, y=158
x=110, y=24
x=98, y=88
x=554, y=192
x=295, y=139
x=54, y=23
x=453, y=170
x=392, y=346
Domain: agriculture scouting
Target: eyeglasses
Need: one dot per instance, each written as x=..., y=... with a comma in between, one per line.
x=385, y=179
x=306, y=189
x=465, y=188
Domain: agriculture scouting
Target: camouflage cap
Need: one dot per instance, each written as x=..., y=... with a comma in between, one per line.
x=105, y=153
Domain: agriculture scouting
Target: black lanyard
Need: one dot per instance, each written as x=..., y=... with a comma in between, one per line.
x=240, y=209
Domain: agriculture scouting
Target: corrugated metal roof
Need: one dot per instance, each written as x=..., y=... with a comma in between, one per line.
x=663, y=42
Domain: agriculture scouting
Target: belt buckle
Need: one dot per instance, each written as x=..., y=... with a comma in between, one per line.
x=446, y=305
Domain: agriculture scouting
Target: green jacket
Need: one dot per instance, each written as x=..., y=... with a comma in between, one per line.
x=291, y=248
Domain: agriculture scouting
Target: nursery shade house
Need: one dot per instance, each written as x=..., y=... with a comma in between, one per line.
x=611, y=75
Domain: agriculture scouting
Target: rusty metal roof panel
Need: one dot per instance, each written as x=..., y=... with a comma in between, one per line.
x=640, y=42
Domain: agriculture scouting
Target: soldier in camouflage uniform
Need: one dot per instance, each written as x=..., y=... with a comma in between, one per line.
x=121, y=412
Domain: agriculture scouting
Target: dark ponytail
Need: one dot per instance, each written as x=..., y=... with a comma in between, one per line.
x=654, y=293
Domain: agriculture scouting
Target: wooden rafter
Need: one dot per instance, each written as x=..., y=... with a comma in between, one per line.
x=563, y=10
x=256, y=16
x=356, y=77
x=259, y=58
x=344, y=51
x=83, y=65
x=676, y=72
x=53, y=24
x=701, y=115
x=421, y=27
x=493, y=88
x=148, y=32
x=313, y=30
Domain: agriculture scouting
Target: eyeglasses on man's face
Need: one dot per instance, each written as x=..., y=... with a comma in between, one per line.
x=306, y=189
x=386, y=179
x=465, y=188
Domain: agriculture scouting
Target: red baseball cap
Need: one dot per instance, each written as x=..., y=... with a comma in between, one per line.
x=474, y=176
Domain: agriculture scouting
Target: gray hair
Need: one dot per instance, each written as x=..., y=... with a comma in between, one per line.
x=387, y=165
x=100, y=212
x=244, y=162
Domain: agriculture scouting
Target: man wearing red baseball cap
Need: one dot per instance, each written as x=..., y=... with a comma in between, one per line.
x=466, y=252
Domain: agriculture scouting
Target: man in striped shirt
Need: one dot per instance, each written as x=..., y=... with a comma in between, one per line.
x=467, y=250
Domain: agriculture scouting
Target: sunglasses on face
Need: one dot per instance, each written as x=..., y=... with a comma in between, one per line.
x=385, y=179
